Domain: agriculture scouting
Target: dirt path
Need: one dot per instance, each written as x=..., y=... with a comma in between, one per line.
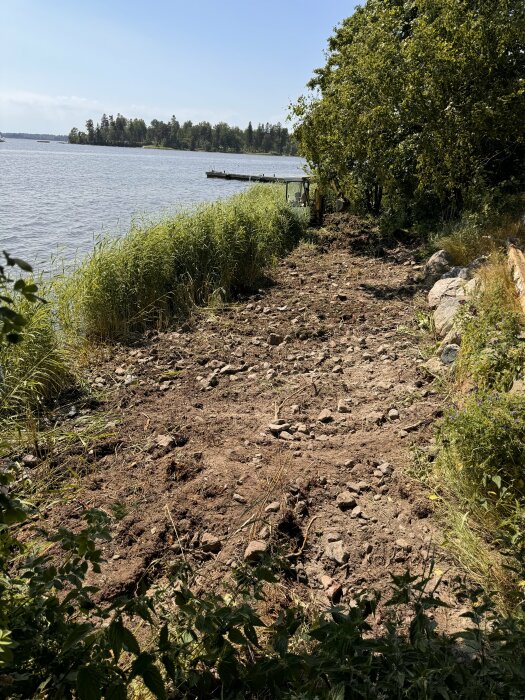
x=326, y=357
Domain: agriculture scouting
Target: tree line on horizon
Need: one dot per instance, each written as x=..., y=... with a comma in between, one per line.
x=120, y=131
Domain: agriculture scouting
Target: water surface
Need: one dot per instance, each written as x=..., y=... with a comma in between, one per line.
x=57, y=199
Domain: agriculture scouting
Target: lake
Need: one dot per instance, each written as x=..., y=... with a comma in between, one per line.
x=57, y=199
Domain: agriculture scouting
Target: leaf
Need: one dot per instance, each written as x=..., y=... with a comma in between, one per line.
x=117, y=691
x=153, y=681
x=129, y=641
x=77, y=634
x=88, y=683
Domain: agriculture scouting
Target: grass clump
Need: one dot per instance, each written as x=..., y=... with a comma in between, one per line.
x=35, y=369
x=158, y=273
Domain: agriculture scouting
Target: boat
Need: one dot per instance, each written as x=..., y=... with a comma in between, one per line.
x=2, y=140
x=42, y=141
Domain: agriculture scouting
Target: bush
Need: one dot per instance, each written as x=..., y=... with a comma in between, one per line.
x=158, y=273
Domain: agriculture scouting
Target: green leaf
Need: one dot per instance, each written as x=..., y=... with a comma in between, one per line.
x=88, y=683
x=77, y=634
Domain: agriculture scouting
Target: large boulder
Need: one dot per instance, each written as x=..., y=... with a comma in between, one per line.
x=445, y=314
x=446, y=289
x=437, y=265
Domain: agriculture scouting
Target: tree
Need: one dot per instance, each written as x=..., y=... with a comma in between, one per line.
x=420, y=105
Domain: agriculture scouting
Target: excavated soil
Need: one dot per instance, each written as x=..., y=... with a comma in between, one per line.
x=327, y=353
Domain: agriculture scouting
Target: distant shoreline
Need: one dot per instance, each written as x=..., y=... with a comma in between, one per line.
x=33, y=137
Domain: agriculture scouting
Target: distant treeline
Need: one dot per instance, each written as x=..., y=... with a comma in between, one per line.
x=120, y=131
x=46, y=137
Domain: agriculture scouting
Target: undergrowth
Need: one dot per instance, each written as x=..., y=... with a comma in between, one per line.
x=159, y=273
x=478, y=471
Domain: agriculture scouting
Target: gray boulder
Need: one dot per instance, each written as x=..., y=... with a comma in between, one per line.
x=437, y=265
x=446, y=289
x=445, y=314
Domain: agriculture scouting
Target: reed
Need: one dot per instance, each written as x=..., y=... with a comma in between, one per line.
x=158, y=273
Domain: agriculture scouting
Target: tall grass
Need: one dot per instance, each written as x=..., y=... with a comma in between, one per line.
x=35, y=370
x=158, y=273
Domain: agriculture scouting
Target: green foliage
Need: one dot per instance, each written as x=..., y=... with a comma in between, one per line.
x=159, y=273
x=119, y=131
x=418, y=110
x=479, y=467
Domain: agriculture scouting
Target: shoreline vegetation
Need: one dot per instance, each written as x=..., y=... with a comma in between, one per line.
x=219, y=138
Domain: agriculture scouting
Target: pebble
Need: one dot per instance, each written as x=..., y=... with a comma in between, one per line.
x=164, y=440
x=255, y=550
x=275, y=339
x=237, y=497
x=343, y=407
x=336, y=552
x=210, y=543
x=325, y=416
x=273, y=507
x=393, y=414
x=346, y=500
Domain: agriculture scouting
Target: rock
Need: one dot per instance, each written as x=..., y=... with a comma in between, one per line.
x=346, y=500
x=337, y=369
x=273, y=507
x=210, y=543
x=333, y=537
x=326, y=581
x=385, y=468
x=356, y=512
x=472, y=286
x=275, y=339
x=120, y=371
x=444, y=316
x=285, y=435
x=336, y=552
x=449, y=354
x=278, y=426
x=450, y=288
x=393, y=414
x=325, y=416
x=237, y=497
x=464, y=272
x=404, y=545
x=255, y=550
x=334, y=592
x=436, y=265
x=434, y=367
x=343, y=407
x=165, y=440
x=30, y=460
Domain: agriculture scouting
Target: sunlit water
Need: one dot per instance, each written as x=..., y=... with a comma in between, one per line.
x=57, y=199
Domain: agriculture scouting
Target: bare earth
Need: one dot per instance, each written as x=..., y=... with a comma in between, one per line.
x=193, y=458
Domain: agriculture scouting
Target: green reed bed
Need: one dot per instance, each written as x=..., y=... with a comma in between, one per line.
x=158, y=273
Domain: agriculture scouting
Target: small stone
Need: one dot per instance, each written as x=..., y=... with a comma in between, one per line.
x=325, y=416
x=273, y=507
x=210, y=543
x=449, y=354
x=334, y=592
x=285, y=435
x=345, y=500
x=356, y=512
x=30, y=460
x=336, y=552
x=255, y=550
x=337, y=369
x=404, y=545
x=275, y=339
x=326, y=581
x=393, y=414
x=333, y=537
x=120, y=371
x=343, y=407
x=278, y=426
x=385, y=468
x=165, y=440
x=237, y=497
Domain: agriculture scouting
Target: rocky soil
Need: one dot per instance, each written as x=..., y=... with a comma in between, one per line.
x=281, y=422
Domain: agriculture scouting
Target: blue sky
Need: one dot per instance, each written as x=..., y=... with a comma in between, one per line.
x=62, y=62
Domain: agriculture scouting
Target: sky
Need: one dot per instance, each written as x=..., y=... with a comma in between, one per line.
x=216, y=60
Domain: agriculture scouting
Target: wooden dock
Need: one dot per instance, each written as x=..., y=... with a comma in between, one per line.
x=253, y=178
